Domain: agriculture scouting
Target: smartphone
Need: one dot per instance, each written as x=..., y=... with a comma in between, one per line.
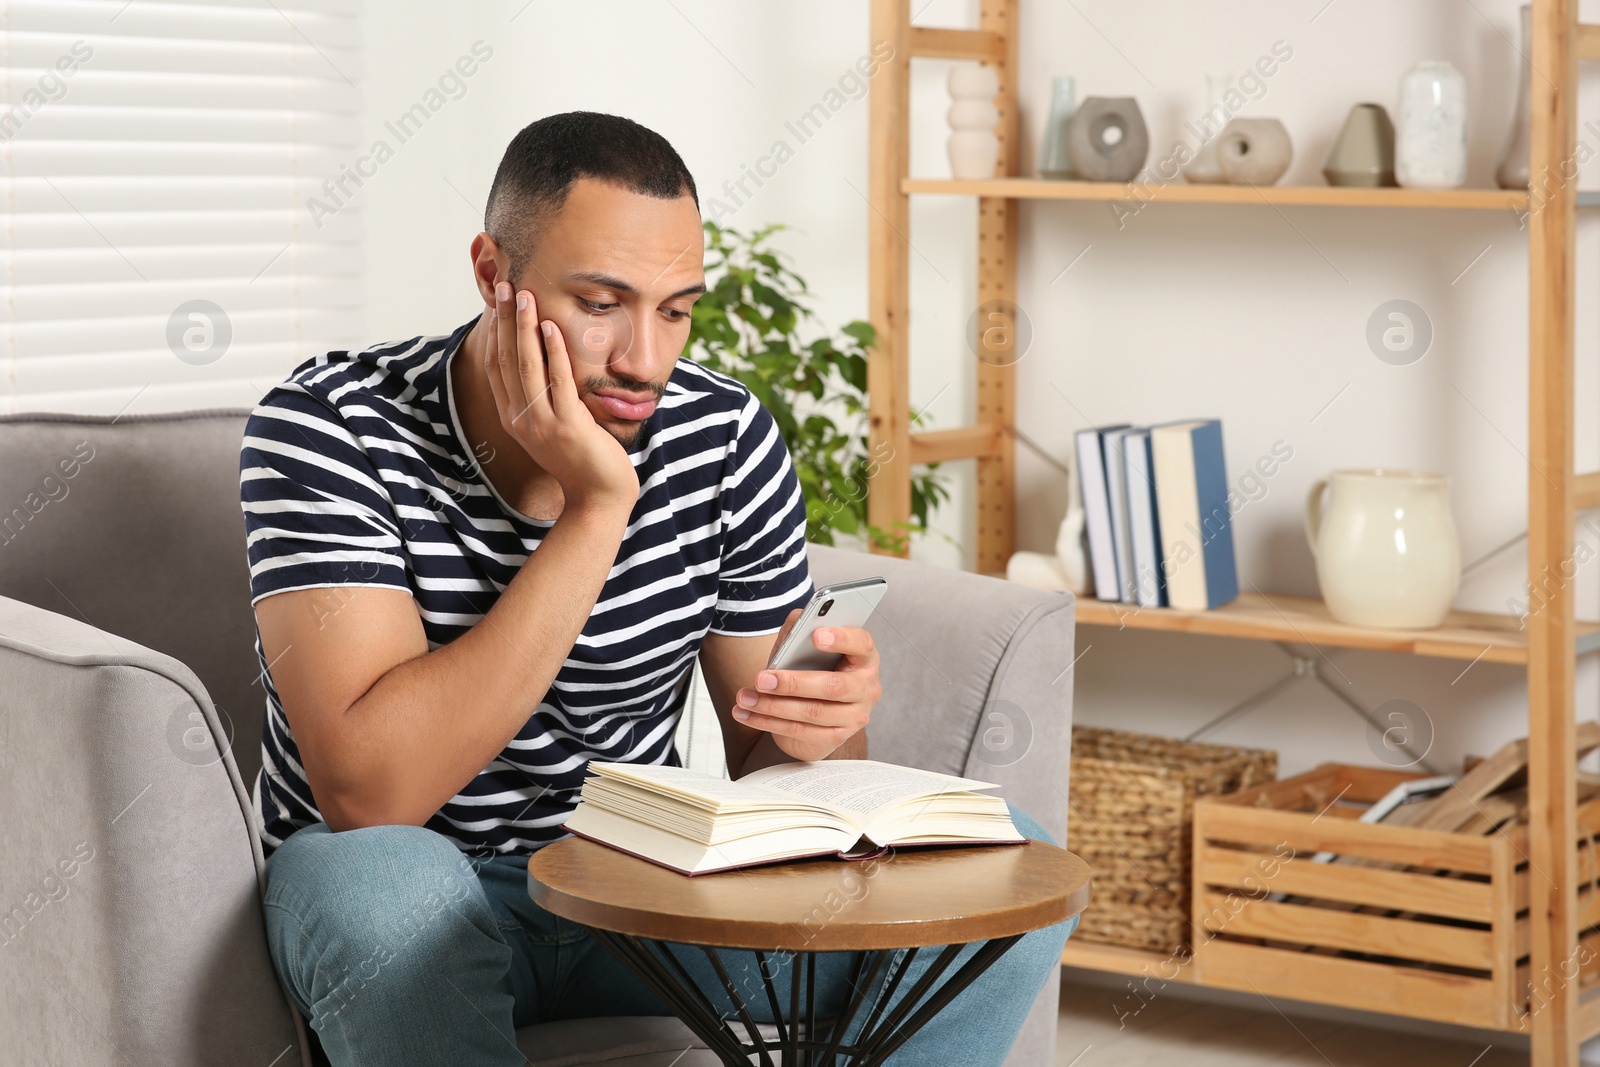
x=844, y=604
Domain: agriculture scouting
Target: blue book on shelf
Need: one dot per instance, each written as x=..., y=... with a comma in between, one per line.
x=1191, y=475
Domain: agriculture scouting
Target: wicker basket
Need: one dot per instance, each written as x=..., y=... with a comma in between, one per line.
x=1132, y=816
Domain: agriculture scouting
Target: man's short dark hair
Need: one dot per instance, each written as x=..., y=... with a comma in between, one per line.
x=543, y=161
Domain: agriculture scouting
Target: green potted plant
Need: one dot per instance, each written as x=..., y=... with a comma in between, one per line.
x=748, y=326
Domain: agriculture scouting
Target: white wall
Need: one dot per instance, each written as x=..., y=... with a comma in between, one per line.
x=1255, y=315
x=719, y=80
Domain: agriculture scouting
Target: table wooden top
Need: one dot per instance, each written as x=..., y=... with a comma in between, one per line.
x=936, y=896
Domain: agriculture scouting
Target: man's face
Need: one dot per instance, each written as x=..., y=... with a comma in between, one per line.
x=617, y=272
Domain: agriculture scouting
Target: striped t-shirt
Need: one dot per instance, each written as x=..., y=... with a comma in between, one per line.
x=356, y=472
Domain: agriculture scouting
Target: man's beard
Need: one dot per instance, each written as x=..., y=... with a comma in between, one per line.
x=627, y=434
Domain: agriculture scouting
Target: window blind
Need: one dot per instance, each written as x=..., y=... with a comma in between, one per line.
x=159, y=253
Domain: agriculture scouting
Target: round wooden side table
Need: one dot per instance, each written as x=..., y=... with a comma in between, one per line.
x=914, y=899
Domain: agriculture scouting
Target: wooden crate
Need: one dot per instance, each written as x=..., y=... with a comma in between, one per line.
x=1133, y=799
x=1412, y=922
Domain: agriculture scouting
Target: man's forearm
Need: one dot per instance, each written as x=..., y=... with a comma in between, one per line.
x=428, y=725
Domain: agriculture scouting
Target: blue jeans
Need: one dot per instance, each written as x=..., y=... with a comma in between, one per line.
x=402, y=950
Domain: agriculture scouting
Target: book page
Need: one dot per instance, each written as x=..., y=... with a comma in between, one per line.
x=684, y=782
x=858, y=786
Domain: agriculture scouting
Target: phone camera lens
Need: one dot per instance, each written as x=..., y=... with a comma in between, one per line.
x=826, y=606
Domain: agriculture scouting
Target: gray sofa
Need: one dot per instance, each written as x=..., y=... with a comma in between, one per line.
x=130, y=722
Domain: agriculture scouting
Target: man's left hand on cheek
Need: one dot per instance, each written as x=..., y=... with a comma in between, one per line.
x=812, y=713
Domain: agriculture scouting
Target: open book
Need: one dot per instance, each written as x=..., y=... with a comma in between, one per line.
x=696, y=823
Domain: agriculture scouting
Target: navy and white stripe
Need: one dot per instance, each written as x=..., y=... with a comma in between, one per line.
x=355, y=472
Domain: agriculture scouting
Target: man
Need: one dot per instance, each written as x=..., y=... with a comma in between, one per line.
x=479, y=561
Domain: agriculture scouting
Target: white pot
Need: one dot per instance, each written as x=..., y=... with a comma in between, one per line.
x=974, y=146
x=973, y=114
x=974, y=154
x=1204, y=167
x=1430, y=147
x=1385, y=547
x=973, y=79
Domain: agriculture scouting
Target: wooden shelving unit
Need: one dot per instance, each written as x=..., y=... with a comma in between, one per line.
x=1468, y=635
x=1180, y=192
x=1553, y=637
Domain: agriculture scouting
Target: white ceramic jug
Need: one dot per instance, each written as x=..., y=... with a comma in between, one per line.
x=1385, y=547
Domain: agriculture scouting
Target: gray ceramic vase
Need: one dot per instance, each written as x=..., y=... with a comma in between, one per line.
x=1364, y=153
x=1107, y=139
x=1254, y=151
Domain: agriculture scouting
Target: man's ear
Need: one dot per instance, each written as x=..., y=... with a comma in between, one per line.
x=489, y=265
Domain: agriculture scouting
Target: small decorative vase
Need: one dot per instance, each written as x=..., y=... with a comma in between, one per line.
x=1430, y=149
x=1069, y=567
x=974, y=147
x=1071, y=553
x=1385, y=547
x=1364, y=153
x=1108, y=140
x=1254, y=151
x=1054, y=160
x=1204, y=168
x=1514, y=171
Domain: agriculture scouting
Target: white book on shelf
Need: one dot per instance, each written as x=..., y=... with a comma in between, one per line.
x=1143, y=522
x=1117, y=498
x=1097, y=510
x=1192, y=507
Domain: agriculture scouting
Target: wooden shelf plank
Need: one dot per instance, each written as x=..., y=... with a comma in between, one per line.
x=1588, y=41
x=1095, y=956
x=1179, y=192
x=1588, y=1013
x=963, y=442
x=1586, y=491
x=1305, y=620
x=929, y=42
x=1138, y=963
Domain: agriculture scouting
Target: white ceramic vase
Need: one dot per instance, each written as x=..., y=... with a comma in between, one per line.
x=1069, y=567
x=1430, y=149
x=974, y=146
x=1386, y=547
x=1054, y=159
x=1514, y=171
x=1204, y=168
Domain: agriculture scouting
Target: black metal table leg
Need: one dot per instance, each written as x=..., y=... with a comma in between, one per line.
x=801, y=1042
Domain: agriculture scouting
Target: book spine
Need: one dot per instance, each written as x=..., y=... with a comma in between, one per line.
x=1117, y=489
x=1216, y=521
x=1162, y=599
x=1142, y=524
x=1172, y=456
x=1096, y=515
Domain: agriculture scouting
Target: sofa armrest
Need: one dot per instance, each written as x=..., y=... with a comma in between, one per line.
x=976, y=677
x=132, y=879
